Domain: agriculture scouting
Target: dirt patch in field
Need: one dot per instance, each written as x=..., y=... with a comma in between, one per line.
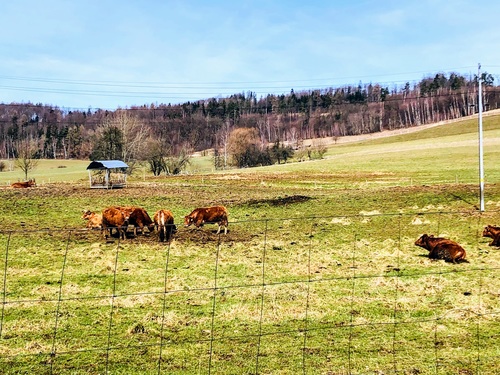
x=207, y=234
x=279, y=201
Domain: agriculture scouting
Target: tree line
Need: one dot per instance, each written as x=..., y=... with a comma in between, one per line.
x=273, y=126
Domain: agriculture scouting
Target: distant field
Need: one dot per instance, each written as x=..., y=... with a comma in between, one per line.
x=443, y=153
x=318, y=273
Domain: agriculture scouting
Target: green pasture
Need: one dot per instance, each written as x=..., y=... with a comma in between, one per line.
x=318, y=273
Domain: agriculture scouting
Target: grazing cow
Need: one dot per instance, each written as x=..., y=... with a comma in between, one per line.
x=208, y=215
x=441, y=248
x=139, y=218
x=112, y=217
x=94, y=221
x=24, y=185
x=164, y=224
x=494, y=233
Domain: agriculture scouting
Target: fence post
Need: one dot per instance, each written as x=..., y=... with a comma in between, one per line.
x=262, y=298
x=59, y=300
x=213, y=305
x=164, y=307
x=4, y=294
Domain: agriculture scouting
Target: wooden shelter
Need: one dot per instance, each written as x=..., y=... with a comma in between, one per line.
x=107, y=174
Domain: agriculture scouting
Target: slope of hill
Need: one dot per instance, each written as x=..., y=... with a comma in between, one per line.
x=396, y=132
x=433, y=154
x=447, y=150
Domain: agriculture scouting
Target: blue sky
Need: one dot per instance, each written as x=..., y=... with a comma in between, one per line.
x=107, y=54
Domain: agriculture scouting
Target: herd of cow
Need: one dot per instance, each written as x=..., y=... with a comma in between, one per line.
x=121, y=218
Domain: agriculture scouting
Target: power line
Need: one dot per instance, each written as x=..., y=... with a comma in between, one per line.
x=284, y=85
x=216, y=83
x=190, y=90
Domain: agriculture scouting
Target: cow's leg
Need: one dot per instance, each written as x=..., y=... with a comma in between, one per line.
x=496, y=240
x=434, y=254
x=161, y=232
x=122, y=231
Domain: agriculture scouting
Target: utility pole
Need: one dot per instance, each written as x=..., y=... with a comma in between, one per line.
x=480, y=113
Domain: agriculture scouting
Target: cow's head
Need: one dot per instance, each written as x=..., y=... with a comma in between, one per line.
x=87, y=214
x=487, y=231
x=491, y=231
x=422, y=241
x=188, y=220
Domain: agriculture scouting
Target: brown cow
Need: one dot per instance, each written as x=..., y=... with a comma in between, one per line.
x=441, y=248
x=164, y=223
x=494, y=233
x=94, y=221
x=208, y=215
x=112, y=217
x=24, y=185
x=139, y=218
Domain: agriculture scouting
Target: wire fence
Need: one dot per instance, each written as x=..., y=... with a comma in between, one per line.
x=315, y=295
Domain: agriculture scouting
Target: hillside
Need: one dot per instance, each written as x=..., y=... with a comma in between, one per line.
x=454, y=140
x=151, y=131
x=395, y=132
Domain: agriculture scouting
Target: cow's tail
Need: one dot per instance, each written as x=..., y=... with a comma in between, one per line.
x=161, y=226
x=462, y=256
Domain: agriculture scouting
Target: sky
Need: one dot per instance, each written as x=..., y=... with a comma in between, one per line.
x=109, y=54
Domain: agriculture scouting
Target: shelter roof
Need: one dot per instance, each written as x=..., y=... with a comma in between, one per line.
x=107, y=164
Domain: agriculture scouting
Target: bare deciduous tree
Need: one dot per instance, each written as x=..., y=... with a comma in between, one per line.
x=161, y=159
x=25, y=159
x=134, y=134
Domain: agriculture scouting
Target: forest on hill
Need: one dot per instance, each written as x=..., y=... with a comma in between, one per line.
x=163, y=130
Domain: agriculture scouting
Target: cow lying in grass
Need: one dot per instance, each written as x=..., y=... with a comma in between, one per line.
x=494, y=233
x=208, y=215
x=94, y=220
x=441, y=248
x=164, y=224
x=24, y=185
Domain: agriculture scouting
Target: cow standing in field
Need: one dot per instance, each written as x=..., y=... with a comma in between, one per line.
x=113, y=217
x=24, y=185
x=139, y=218
x=494, y=233
x=208, y=215
x=94, y=220
x=441, y=248
x=164, y=224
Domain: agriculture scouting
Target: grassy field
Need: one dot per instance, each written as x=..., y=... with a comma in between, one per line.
x=318, y=274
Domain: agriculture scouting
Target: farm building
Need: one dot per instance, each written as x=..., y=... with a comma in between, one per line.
x=107, y=174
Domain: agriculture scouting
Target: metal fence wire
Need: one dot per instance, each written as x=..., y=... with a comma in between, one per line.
x=315, y=295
